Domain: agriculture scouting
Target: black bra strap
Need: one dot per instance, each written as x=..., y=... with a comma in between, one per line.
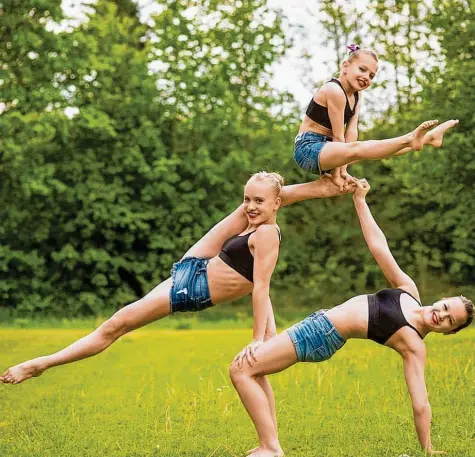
x=410, y=295
x=415, y=329
x=334, y=80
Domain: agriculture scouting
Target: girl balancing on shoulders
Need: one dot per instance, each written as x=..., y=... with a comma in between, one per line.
x=328, y=134
x=391, y=317
x=235, y=258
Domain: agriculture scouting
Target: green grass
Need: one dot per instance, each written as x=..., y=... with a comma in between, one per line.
x=159, y=392
x=229, y=317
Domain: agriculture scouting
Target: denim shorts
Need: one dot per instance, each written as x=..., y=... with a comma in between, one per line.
x=190, y=291
x=308, y=146
x=315, y=338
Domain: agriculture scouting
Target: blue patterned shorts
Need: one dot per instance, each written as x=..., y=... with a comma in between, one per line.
x=315, y=338
x=190, y=291
x=308, y=146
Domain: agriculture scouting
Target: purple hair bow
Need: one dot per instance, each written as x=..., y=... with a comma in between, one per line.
x=353, y=48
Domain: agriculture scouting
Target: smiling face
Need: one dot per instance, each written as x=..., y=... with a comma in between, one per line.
x=261, y=202
x=445, y=315
x=360, y=71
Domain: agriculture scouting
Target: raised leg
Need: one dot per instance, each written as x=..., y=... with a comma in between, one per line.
x=273, y=356
x=338, y=154
x=153, y=306
x=434, y=137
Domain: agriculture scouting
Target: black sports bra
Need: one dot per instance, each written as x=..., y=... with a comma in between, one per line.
x=319, y=113
x=385, y=315
x=236, y=254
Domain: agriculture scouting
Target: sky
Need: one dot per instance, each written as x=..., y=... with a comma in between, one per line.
x=285, y=77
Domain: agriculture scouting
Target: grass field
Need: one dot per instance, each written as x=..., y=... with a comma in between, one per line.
x=167, y=393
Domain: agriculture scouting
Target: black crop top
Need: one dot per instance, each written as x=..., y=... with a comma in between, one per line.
x=385, y=314
x=319, y=113
x=237, y=255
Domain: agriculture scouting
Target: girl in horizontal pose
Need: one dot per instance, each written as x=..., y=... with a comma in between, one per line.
x=323, y=143
x=391, y=317
x=235, y=258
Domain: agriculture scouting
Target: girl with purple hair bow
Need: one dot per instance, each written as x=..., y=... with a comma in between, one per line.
x=327, y=138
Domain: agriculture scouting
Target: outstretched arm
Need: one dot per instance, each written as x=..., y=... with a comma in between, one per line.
x=414, y=366
x=266, y=252
x=265, y=243
x=378, y=244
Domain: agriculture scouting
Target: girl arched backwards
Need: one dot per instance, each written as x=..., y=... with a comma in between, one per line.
x=391, y=317
x=235, y=258
x=327, y=138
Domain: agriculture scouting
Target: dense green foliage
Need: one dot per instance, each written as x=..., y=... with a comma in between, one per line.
x=172, y=116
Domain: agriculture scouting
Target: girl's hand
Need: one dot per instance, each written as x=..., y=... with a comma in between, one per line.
x=248, y=353
x=362, y=188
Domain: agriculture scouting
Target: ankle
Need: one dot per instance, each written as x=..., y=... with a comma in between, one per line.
x=270, y=445
x=41, y=363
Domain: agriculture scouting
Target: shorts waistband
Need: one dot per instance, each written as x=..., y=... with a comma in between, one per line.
x=313, y=136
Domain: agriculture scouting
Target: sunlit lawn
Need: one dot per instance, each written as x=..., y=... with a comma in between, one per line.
x=167, y=393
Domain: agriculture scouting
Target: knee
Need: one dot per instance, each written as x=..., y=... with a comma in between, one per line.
x=236, y=374
x=354, y=150
x=233, y=372
x=114, y=327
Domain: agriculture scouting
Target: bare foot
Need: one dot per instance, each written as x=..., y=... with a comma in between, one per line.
x=22, y=372
x=338, y=180
x=436, y=136
x=266, y=452
x=250, y=451
x=416, y=140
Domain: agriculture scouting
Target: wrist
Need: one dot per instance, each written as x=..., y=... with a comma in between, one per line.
x=359, y=199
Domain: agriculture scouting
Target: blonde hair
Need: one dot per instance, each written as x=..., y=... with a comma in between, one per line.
x=275, y=180
x=355, y=54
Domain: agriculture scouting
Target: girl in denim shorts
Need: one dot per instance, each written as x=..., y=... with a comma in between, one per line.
x=391, y=317
x=235, y=258
x=327, y=138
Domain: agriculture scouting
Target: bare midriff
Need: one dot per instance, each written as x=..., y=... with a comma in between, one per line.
x=351, y=318
x=308, y=125
x=226, y=284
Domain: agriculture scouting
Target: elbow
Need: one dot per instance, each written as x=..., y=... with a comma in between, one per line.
x=377, y=248
x=260, y=296
x=260, y=289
